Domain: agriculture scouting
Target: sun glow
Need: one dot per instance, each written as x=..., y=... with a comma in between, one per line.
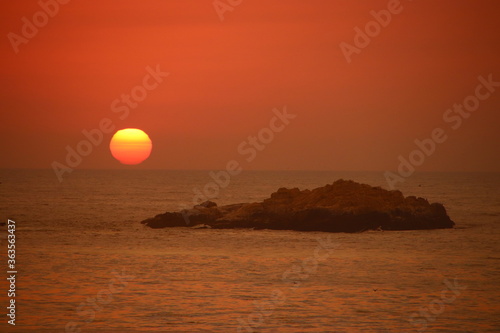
x=130, y=146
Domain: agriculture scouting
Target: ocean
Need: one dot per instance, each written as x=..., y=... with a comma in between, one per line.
x=85, y=263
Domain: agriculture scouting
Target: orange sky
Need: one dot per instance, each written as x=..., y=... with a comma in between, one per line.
x=226, y=78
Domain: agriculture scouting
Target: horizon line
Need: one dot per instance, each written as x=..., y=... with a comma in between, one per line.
x=252, y=170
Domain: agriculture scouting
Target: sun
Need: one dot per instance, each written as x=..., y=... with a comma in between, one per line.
x=130, y=146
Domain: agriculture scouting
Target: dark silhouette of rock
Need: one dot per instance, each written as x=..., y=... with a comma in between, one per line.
x=344, y=206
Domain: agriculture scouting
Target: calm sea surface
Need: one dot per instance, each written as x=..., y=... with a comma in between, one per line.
x=86, y=264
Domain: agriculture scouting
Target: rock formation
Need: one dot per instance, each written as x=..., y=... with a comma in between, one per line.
x=344, y=206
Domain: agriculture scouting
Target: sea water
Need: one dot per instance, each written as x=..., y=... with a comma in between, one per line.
x=85, y=263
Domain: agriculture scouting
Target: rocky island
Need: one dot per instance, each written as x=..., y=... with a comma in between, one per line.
x=344, y=206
